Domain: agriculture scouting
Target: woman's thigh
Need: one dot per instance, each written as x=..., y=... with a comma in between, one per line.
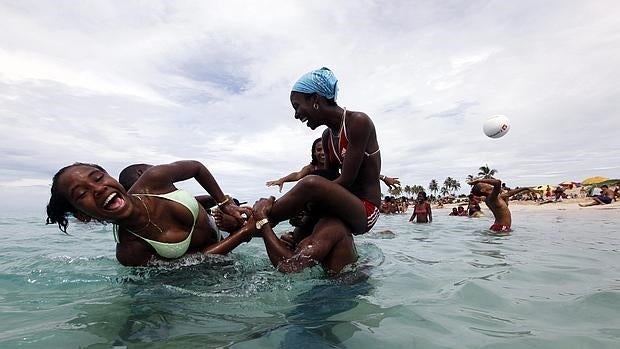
x=326, y=195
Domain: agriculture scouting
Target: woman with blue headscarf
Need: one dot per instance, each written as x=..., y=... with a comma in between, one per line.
x=350, y=144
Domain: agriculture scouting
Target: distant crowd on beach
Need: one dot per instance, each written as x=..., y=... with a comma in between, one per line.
x=470, y=205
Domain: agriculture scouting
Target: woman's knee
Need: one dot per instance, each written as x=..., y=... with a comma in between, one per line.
x=312, y=183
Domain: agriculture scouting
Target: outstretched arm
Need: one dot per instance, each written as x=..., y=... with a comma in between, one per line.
x=244, y=234
x=292, y=177
x=391, y=182
x=516, y=191
x=186, y=169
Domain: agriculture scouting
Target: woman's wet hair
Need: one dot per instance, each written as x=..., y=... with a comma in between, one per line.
x=315, y=161
x=59, y=206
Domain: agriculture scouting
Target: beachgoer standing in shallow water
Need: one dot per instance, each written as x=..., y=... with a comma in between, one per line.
x=491, y=189
x=154, y=219
x=351, y=145
x=421, y=210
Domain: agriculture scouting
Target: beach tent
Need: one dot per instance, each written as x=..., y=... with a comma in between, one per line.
x=594, y=180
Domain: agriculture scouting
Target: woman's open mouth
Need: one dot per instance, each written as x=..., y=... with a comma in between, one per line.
x=113, y=202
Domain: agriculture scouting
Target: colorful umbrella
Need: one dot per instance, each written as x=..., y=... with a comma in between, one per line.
x=594, y=180
x=543, y=188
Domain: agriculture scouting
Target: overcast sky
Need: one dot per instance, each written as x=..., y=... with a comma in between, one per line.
x=119, y=82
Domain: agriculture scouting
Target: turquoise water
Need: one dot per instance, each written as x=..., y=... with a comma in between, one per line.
x=554, y=283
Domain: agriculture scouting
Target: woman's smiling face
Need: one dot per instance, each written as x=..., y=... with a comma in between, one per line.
x=93, y=192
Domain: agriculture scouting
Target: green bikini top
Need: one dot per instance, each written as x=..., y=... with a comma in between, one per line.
x=171, y=249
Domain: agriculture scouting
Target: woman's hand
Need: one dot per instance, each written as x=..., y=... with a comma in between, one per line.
x=235, y=211
x=262, y=207
x=288, y=240
x=391, y=182
x=278, y=182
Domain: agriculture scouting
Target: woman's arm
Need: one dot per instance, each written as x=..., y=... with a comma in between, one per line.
x=276, y=249
x=292, y=177
x=244, y=234
x=167, y=175
x=391, y=182
x=429, y=211
x=413, y=215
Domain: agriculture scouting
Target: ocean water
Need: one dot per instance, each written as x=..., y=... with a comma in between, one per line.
x=553, y=283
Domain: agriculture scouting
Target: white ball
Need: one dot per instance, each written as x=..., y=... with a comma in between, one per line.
x=496, y=126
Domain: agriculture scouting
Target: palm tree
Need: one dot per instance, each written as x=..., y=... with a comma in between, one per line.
x=396, y=191
x=456, y=186
x=448, y=183
x=407, y=190
x=470, y=178
x=486, y=171
x=433, y=187
x=417, y=189
x=445, y=191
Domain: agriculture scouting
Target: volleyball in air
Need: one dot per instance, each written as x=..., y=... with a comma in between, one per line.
x=496, y=126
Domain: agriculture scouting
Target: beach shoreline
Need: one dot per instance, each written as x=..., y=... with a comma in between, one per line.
x=528, y=205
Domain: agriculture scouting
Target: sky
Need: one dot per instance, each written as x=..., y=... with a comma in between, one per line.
x=122, y=82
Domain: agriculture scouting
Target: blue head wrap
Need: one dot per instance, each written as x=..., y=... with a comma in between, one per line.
x=321, y=81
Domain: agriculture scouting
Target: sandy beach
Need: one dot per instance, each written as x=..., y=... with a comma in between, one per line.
x=527, y=206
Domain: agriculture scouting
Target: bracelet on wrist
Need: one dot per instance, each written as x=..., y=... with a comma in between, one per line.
x=223, y=203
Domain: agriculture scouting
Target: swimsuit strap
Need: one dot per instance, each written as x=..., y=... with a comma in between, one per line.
x=344, y=124
x=174, y=249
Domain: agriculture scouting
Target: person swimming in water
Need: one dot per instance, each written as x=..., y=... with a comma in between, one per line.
x=154, y=219
x=351, y=144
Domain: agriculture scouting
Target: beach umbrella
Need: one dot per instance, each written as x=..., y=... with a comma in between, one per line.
x=570, y=184
x=609, y=183
x=594, y=180
x=543, y=188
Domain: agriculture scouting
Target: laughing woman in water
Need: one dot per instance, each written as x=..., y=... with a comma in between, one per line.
x=154, y=219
